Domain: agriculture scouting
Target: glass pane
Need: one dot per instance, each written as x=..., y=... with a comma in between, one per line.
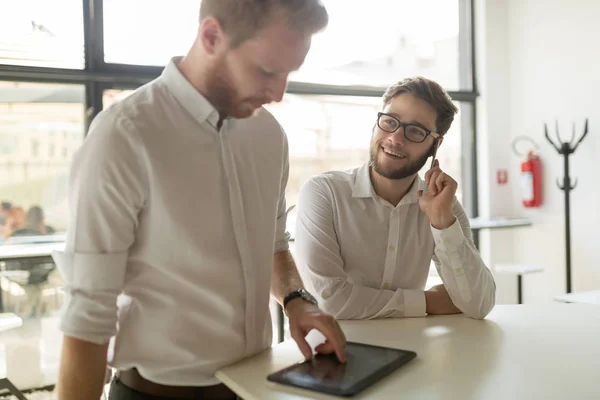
x=371, y=46
x=148, y=32
x=375, y=45
x=41, y=127
x=333, y=133
x=42, y=33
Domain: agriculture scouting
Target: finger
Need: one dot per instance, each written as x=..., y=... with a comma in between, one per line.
x=330, y=328
x=440, y=181
x=429, y=173
x=325, y=348
x=303, y=345
x=432, y=182
x=419, y=194
x=436, y=163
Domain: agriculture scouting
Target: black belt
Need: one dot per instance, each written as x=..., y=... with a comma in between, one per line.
x=135, y=381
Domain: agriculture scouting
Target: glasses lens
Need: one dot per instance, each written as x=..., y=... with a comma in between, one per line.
x=387, y=123
x=415, y=133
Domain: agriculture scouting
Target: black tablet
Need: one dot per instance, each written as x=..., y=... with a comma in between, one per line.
x=365, y=365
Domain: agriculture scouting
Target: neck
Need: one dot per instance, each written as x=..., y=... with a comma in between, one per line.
x=391, y=190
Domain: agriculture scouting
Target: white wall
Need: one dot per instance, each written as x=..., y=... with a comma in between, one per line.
x=539, y=60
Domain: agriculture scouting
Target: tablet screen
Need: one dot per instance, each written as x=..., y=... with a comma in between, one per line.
x=364, y=366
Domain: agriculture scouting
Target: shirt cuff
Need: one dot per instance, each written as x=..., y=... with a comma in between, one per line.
x=414, y=303
x=449, y=238
x=282, y=244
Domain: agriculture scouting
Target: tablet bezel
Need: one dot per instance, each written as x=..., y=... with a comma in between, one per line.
x=279, y=376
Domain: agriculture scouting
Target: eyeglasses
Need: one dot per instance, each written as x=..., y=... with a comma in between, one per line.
x=414, y=133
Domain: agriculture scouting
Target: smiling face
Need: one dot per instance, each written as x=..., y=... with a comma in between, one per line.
x=392, y=156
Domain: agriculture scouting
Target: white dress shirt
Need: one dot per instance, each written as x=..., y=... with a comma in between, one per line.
x=183, y=220
x=364, y=258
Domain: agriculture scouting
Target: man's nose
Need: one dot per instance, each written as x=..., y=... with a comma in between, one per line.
x=276, y=89
x=397, y=137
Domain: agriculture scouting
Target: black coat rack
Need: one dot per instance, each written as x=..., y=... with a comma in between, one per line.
x=566, y=149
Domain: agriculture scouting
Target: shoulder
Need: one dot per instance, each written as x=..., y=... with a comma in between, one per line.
x=332, y=183
x=120, y=124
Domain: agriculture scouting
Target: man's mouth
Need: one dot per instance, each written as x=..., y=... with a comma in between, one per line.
x=393, y=154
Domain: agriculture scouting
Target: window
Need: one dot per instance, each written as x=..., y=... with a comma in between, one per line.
x=30, y=175
x=365, y=46
x=42, y=33
x=157, y=30
x=375, y=45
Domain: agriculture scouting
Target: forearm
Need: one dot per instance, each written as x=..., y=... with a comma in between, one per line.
x=354, y=301
x=82, y=370
x=469, y=282
x=285, y=277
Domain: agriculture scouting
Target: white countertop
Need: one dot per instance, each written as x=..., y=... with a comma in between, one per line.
x=498, y=222
x=13, y=252
x=528, y=352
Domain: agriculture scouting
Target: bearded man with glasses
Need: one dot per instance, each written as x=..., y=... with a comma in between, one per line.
x=365, y=238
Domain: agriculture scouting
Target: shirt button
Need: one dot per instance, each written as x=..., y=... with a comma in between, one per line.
x=386, y=286
x=458, y=270
x=392, y=248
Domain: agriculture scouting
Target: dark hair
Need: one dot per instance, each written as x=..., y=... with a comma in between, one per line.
x=35, y=218
x=242, y=19
x=432, y=93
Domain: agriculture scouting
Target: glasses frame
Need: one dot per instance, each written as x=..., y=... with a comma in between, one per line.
x=402, y=125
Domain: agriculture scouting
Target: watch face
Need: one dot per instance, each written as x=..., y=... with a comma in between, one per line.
x=307, y=296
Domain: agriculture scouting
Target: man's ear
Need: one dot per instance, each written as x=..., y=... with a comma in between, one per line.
x=211, y=35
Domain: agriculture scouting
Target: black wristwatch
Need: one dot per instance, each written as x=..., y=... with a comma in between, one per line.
x=303, y=294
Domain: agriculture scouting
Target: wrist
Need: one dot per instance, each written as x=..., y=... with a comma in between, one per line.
x=443, y=220
x=297, y=297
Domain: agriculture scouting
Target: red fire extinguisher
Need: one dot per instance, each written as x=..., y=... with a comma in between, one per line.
x=531, y=180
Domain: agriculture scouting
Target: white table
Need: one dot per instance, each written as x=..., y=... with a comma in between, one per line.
x=28, y=251
x=498, y=222
x=519, y=270
x=591, y=297
x=518, y=352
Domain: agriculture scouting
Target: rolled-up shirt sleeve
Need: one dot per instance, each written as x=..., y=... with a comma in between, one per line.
x=107, y=189
x=468, y=281
x=282, y=236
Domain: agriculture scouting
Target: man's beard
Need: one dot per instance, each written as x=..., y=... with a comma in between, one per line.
x=224, y=97
x=402, y=172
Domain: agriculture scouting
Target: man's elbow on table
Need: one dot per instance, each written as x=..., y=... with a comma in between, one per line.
x=481, y=309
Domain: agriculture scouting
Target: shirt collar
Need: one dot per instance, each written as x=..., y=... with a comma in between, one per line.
x=187, y=95
x=363, y=187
